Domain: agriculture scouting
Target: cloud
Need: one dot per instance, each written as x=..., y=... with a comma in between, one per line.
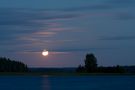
x=103, y=5
x=45, y=33
x=27, y=17
x=60, y=17
x=90, y=7
x=16, y=23
x=118, y=38
x=121, y=1
x=39, y=52
x=81, y=49
x=59, y=51
x=125, y=16
x=32, y=25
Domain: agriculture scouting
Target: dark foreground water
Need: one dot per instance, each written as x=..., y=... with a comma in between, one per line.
x=67, y=83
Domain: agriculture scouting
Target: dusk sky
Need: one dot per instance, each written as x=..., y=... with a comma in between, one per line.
x=68, y=29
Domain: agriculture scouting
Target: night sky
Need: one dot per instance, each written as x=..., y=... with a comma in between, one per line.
x=68, y=29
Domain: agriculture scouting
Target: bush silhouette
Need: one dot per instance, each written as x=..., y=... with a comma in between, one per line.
x=80, y=69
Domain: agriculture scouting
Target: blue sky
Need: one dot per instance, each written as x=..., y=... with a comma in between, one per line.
x=68, y=29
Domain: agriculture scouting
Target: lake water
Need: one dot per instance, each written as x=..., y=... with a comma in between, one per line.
x=67, y=83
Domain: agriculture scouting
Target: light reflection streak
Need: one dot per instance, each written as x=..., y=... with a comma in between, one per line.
x=46, y=83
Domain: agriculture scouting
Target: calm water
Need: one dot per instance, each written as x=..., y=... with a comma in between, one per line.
x=67, y=83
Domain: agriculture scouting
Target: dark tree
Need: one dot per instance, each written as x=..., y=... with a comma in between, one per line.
x=111, y=69
x=119, y=69
x=90, y=63
x=7, y=65
x=80, y=69
x=92, y=67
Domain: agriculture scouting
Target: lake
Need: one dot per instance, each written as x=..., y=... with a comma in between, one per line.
x=67, y=83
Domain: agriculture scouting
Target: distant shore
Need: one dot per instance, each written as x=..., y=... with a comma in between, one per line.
x=59, y=74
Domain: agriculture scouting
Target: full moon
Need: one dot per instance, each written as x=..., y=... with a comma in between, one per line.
x=45, y=53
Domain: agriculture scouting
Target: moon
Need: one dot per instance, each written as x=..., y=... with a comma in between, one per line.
x=45, y=53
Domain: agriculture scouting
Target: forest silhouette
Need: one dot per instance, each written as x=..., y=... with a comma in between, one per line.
x=8, y=65
x=91, y=66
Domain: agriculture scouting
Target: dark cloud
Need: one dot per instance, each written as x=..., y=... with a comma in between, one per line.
x=121, y=1
x=59, y=17
x=104, y=5
x=16, y=17
x=125, y=16
x=90, y=7
x=118, y=38
x=16, y=24
x=27, y=17
x=81, y=49
x=73, y=50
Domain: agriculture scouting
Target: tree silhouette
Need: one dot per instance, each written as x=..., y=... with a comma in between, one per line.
x=7, y=65
x=80, y=69
x=92, y=67
x=111, y=69
x=90, y=63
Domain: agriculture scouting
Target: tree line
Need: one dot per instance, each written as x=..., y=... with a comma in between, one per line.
x=91, y=66
x=8, y=65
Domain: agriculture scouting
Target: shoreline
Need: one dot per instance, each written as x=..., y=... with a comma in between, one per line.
x=62, y=74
